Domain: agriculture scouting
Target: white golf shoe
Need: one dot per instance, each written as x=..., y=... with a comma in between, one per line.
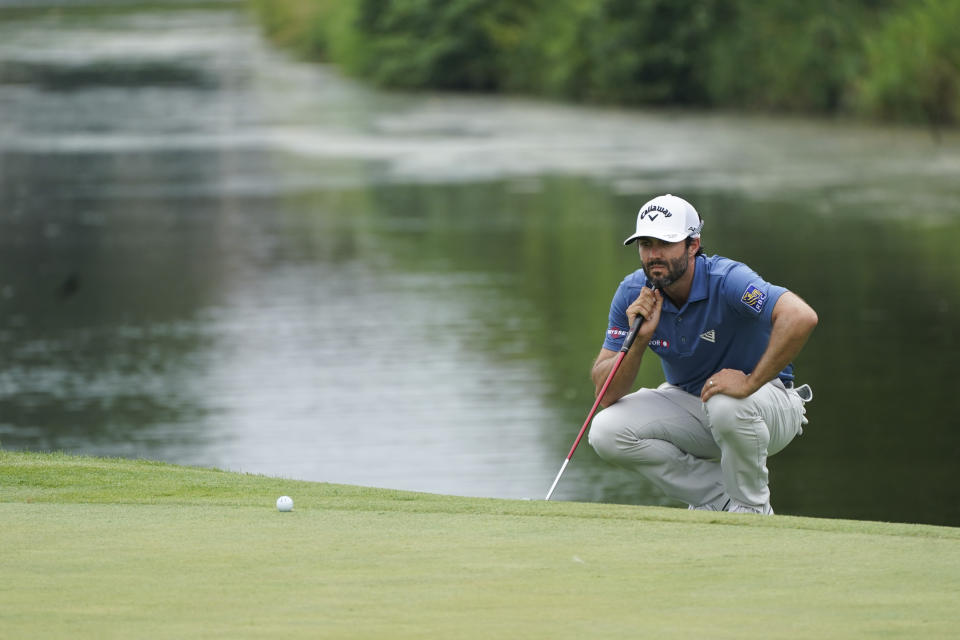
x=739, y=507
x=718, y=504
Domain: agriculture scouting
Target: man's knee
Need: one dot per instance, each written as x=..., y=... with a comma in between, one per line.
x=731, y=417
x=617, y=439
x=604, y=431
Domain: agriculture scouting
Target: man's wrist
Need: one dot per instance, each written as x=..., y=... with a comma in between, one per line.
x=754, y=383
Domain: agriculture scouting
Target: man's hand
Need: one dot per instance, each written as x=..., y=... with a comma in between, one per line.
x=792, y=320
x=648, y=304
x=729, y=382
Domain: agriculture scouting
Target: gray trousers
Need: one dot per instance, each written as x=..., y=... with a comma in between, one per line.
x=696, y=452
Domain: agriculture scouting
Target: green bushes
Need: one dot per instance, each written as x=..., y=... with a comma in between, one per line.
x=786, y=56
x=296, y=24
x=879, y=58
x=621, y=51
x=436, y=43
x=912, y=65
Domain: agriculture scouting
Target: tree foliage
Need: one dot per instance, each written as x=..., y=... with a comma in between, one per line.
x=880, y=58
x=912, y=65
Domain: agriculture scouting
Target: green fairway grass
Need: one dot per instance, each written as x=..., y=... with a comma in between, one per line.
x=106, y=548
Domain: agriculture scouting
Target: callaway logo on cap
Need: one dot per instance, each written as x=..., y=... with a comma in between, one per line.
x=668, y=218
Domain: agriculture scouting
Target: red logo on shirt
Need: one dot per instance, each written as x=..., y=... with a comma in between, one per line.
x=617, y=332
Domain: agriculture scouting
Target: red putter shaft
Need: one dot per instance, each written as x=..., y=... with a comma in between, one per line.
x=627, y=342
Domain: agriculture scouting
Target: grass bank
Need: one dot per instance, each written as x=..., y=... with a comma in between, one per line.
x=884, y=59
x=117, y=548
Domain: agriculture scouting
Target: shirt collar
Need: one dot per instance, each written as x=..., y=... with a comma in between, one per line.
x=699, y=288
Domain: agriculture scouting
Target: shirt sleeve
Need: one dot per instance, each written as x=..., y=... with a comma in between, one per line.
x=617, y=328
x=749, y=295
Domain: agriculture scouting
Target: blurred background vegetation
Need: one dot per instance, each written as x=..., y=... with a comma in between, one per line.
x=895, y=60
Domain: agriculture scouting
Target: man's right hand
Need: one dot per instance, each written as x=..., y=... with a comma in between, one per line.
x=648, y=304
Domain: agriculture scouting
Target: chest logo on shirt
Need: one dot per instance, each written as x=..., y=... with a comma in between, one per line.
x=754, y=298
x=665, y=344
x=709, y=336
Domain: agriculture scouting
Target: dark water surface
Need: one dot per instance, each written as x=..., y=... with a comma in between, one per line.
x=213, y=255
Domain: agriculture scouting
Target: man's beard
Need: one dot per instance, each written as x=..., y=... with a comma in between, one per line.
x=675, y=270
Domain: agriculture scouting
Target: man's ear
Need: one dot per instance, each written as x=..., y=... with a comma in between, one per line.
x=694, y=246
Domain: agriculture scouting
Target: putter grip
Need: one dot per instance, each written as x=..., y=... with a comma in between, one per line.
x=632, y=335
x=628, y=341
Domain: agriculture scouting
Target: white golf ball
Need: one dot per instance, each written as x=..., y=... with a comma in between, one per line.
x=284, y=503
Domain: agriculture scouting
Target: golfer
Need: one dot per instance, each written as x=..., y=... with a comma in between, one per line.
x=726, y=339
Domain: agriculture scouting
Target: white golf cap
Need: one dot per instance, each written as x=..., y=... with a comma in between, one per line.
x=668, y=218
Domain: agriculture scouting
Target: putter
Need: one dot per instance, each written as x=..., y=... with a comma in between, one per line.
x=627, y=342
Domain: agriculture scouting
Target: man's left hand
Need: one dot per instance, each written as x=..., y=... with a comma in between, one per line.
x=729, y=382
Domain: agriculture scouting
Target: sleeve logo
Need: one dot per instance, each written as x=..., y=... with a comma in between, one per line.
x=754, y=298
x=616, y=333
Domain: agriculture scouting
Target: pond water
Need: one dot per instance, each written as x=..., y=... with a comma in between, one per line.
x=211, y=254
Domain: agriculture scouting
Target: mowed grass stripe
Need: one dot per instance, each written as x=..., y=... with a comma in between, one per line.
x=124, y=552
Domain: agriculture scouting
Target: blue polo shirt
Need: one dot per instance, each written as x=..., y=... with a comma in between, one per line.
x=725, y=323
